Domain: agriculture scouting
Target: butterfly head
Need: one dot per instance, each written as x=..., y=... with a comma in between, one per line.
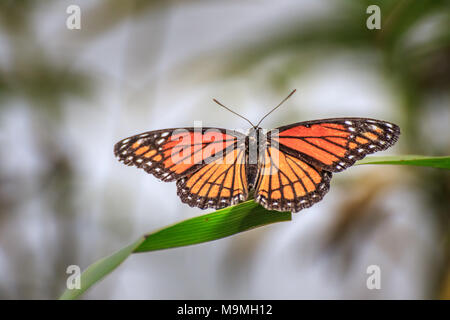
x=254, y=131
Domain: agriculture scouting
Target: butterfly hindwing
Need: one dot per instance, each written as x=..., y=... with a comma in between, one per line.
x=171, y=154
x=335, y=144
x=287, y=183
x=218, y=184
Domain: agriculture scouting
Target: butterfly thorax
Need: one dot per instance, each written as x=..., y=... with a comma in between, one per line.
x=255, y=141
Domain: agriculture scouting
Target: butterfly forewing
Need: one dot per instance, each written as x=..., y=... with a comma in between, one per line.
x=335, y=144
x=171, y=154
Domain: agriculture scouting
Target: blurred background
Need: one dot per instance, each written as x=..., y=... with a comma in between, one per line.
x=67, y=96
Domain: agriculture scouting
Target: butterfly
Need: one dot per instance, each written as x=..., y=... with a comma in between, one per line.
x=285, y=169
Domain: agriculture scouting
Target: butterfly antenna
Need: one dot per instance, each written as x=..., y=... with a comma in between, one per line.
x=234, y=112
x=290, y=94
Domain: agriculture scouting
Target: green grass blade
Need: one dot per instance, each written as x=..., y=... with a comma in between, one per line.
x=100, y=269
x=208, y=227
x=410, y=160
x=216, y=225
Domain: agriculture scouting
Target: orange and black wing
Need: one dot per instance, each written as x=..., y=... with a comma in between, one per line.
x=334, y=144
x=287, y=183
x=171, y=154
x=218, y=184
x=208, y=163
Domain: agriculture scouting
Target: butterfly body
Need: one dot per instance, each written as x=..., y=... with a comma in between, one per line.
x=286, y=169
x=255, y=138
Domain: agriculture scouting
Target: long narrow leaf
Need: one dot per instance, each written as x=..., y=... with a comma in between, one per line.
x=100, y=269
x=216, y=225
x=410, y=160
x=212, y=226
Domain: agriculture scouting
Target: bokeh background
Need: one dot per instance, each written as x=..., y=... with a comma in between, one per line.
x=66, y=96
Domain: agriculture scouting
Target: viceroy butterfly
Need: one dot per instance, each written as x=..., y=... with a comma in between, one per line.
x=289, y=170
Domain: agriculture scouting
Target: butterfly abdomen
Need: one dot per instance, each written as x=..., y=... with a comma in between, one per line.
x=252, y=170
